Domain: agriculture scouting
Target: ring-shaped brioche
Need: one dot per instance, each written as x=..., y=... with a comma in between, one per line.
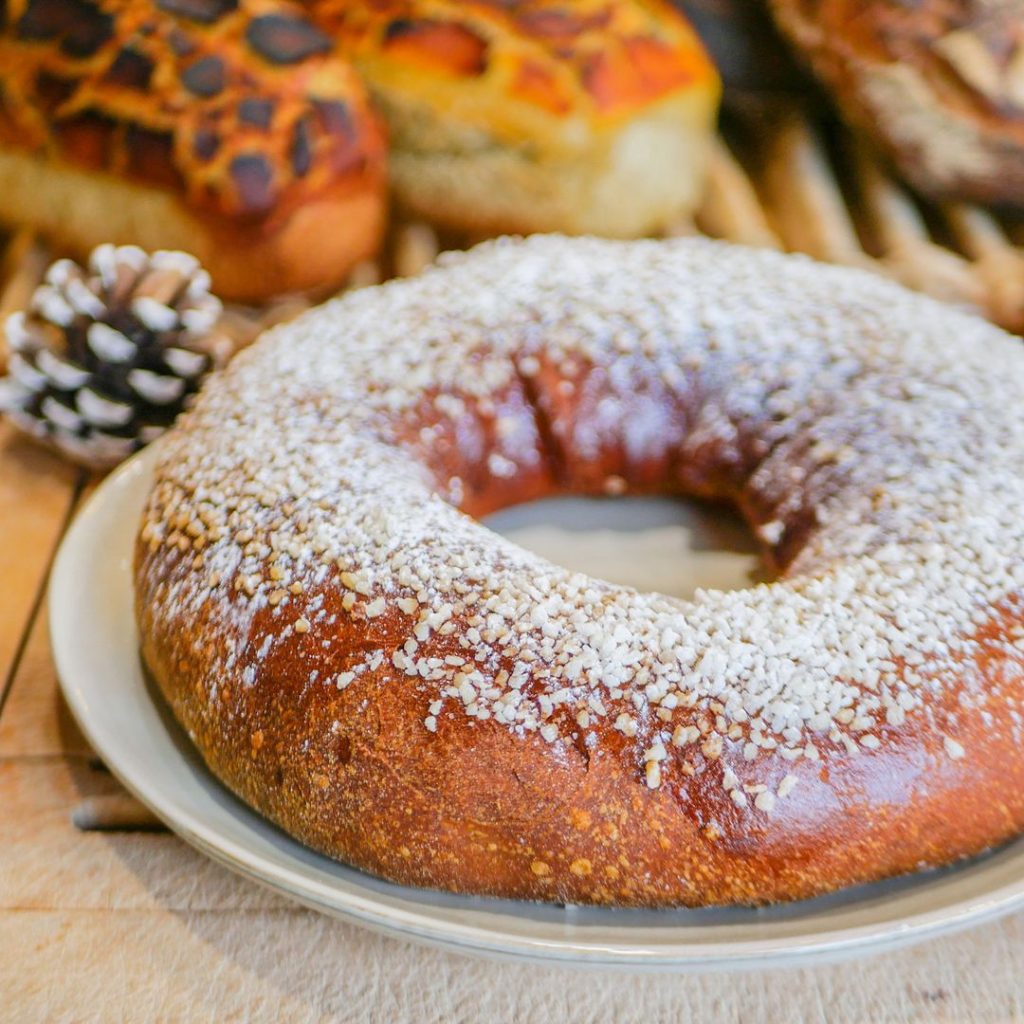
x=397, y=686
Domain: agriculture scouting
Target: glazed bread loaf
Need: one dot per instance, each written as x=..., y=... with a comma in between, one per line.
x=536, y=115
x=937, y=84
x=226, y=128
x=399, y=687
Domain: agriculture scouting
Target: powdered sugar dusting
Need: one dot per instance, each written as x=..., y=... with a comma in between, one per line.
x=886, y=427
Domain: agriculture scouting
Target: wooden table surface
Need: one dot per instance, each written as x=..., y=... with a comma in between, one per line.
x=105, y=916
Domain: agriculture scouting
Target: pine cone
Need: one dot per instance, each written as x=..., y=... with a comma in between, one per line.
x=104, y=360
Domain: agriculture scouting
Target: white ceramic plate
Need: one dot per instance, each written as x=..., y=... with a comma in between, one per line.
x=94, y=644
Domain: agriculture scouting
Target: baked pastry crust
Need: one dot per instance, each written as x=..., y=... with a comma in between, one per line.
x=226, y=129
x=236, y=129
x=937, y=85
x=536, y=115
x=397, y=686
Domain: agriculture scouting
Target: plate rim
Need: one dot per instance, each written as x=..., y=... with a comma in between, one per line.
x=468, y=938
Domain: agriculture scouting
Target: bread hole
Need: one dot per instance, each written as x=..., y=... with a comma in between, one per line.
x=343, y=748
x=665, y=545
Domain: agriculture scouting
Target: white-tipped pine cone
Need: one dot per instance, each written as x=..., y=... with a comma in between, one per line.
x=104, y=359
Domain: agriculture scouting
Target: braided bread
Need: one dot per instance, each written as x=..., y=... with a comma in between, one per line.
x=937, y=84
x=397, y=686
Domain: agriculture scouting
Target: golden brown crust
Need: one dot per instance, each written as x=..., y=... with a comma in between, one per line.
x=473, y=809
x=307, y=682
x=593, y=59
x=536, y=115
x=309, y=252
x=938, y=85
x=239, y=112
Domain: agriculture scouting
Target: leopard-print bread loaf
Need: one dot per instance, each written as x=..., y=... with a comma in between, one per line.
x=228, y=128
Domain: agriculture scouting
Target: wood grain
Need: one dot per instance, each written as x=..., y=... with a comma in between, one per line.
x=49, y=864
x=36, y=492
x=296, y=966
x=36, y=721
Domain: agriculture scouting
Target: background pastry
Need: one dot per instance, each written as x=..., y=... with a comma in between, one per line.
x=225, y=129
x=754, y=61
x=938, y=85
x=536, y=115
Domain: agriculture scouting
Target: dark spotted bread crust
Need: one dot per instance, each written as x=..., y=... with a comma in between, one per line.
x=237, y=106
x=937, y=84
x=519, y=116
